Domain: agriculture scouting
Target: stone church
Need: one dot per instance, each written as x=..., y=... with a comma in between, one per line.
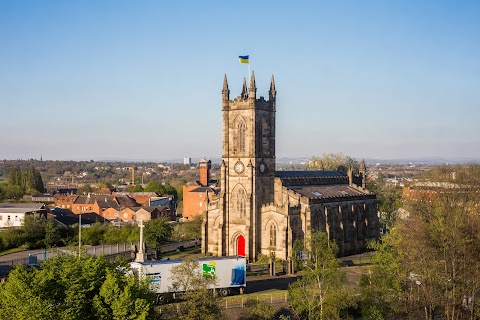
x=261, y=211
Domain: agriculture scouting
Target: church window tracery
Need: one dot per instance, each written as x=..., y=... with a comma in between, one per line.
x=241, y=205
x=241, y=130
x=273, y=235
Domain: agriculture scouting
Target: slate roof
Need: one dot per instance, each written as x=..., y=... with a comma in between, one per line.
x=149, y=209
x=22, y=207
x=330, y=192
x=68, y=218
x=107, y=201
x=310, y=174
x=205, y=189
x=32, y=205
x=312, y=177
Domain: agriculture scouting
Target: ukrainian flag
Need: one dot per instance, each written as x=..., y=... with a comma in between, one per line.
x=243, y=59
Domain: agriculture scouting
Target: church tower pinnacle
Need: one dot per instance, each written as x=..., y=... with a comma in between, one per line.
x=244, y=89
x=252, y=89
x=225, y=93
x=272, y=93
x=363, y=173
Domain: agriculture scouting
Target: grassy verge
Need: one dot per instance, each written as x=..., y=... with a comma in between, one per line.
x=274, y=294
x=187, y=253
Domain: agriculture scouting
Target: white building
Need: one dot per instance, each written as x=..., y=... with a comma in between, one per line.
x=12, y=214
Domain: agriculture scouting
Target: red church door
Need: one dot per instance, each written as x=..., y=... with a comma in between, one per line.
x=241, y=246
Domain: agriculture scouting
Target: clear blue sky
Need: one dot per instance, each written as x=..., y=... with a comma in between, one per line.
x=142, y=79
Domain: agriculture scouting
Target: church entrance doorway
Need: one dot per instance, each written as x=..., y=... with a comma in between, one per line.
x=241, y=246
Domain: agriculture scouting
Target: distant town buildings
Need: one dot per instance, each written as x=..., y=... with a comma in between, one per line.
x=187, y=161
x=119, y=207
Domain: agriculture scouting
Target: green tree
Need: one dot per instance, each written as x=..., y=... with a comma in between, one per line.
x=84, y=189
x=121, y=298
x=320, y=293
x=53, y=233
x=161, y=189
x=199, y=302
x=26, y=179
x=258, y=310
x=427, y=266
x=334, y=161
x=157, y=232
x=188, y=230
x=95, y=233
x=34, y=230
x=137, y=188
x=381, y=287
x=389, y=201
x=70, y=287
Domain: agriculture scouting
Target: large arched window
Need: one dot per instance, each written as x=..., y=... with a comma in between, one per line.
x=241, y=202
x=273, y=235
x=241, y=129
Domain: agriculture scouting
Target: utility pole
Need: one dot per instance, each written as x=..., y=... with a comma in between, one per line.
x=79, y=234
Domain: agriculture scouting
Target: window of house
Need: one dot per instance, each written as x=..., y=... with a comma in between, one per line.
x=200, y=204
x=273, y=236
x=16, y=218
x=1, y=217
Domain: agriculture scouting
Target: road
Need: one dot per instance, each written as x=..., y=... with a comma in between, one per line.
x=265, y=283
x=20, y=255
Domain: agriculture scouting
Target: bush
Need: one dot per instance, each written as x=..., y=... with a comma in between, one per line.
x=257, y=310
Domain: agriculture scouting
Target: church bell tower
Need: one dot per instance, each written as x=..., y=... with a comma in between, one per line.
x=248, y=167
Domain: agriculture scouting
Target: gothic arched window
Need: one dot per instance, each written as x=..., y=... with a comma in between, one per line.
x=241, y=129
x=273, y=235
x=241, y=203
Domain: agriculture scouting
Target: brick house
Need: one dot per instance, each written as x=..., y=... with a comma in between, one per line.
x=94, y=203
x=133, y=214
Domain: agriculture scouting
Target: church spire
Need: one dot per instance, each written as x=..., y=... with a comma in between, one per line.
x=244, y=89
x=252, y=89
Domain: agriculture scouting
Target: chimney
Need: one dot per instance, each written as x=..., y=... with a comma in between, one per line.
x=205, y=166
